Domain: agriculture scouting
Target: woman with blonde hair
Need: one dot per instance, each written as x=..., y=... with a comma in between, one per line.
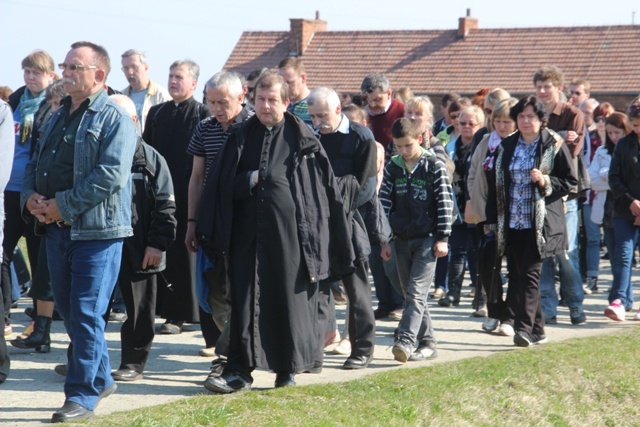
x=38, y=74
x=500, y=313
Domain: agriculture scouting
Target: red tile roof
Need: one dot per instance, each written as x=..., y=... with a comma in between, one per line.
x=438, y=61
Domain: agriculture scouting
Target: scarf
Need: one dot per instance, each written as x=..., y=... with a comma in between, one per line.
x=494, y=142
x=28, y=107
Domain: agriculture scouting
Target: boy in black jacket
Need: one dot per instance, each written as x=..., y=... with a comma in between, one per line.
x=416, y=196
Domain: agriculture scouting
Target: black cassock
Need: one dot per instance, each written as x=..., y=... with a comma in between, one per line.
x=168, y=129
x=274, y=302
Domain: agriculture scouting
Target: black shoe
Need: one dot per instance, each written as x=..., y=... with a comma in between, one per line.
x=553, y=320
x=217, y=367
x=171, y=327
x=39, y=339
x=70, y=411
x=106, y=393
x=424, y=352
x=316, y=369
x=285, y=379
x=401, y=351
x=126, y=375
x=61, y=370
x=577, y=317
x=228, y=382
x=522, y=339
x=448, y=301
x=380, y=314
x=525, y=339
x=357, y=362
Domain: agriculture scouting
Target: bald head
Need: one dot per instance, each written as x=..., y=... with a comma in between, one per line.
x=127, y=105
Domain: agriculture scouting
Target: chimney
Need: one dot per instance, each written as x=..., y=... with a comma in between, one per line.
x=466, y=24
x=301, y=33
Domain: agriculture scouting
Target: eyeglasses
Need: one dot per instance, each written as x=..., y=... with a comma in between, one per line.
x=129, y=67
x=600, y=119
x=76, y=67
x=470, y=124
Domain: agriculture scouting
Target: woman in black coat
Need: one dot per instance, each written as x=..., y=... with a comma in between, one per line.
x=533, y=174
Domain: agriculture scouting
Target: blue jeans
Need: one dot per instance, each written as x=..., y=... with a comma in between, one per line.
x=569, y=266
x=83, y=276
x=416, y=268
x=592, y=231
x=385, y=279
x=610, y=243
x=625, y=236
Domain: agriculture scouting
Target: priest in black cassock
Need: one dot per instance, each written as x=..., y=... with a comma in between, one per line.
x=275, y=210
x=168, y=129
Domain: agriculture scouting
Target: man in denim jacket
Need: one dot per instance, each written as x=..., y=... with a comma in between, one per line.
x=78, y=184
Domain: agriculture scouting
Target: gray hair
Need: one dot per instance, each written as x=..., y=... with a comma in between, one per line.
x=55, y=90
x=225, y=78
x=375, y=81
x=140, y=53
x=324, y=95
x=194, y=69
x=591, y=101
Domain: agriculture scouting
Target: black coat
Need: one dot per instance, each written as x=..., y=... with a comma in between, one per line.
x=553, y=158
x=153, y=209
x=624, y=175
x=324, y=230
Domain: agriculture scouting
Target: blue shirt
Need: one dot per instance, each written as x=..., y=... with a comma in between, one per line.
x=21, y=154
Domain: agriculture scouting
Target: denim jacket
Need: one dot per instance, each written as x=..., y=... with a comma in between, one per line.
x=98, y=207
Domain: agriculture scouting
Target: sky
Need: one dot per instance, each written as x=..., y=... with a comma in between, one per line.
x=207, y=30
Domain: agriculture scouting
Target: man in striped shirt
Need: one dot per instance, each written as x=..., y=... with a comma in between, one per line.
x=225, y=99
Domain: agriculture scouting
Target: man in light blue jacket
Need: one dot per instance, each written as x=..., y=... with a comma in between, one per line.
x=78, y=186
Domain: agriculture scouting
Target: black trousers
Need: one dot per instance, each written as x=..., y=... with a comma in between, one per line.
x=139, y=292
x=14, y=229
x=489, y=266
x=362, y=324
x=5, y=362
x=524, y=278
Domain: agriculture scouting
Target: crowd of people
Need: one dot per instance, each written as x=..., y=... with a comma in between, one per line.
x=252, y=212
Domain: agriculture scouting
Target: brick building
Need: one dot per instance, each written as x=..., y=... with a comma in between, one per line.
x=463, y=60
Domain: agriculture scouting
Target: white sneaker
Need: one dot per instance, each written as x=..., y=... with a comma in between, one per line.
x=506, y=330
x=637, y=316
x=490, y=324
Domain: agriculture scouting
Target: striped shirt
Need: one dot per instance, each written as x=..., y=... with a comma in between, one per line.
x=408, y=196
x=209, y=136
x=301, y=109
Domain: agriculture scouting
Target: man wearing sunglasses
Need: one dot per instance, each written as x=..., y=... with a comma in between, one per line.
x=78, y=186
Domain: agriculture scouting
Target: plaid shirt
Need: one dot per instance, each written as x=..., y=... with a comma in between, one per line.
x=521, y=189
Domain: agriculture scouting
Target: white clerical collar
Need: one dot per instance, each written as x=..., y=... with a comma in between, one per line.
x=343, y=127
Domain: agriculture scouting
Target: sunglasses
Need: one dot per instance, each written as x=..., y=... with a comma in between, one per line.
x=76, y=67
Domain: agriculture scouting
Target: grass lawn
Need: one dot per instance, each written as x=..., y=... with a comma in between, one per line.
x=582, y=382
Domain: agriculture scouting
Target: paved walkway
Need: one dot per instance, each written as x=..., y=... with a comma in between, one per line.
x=33, y=391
